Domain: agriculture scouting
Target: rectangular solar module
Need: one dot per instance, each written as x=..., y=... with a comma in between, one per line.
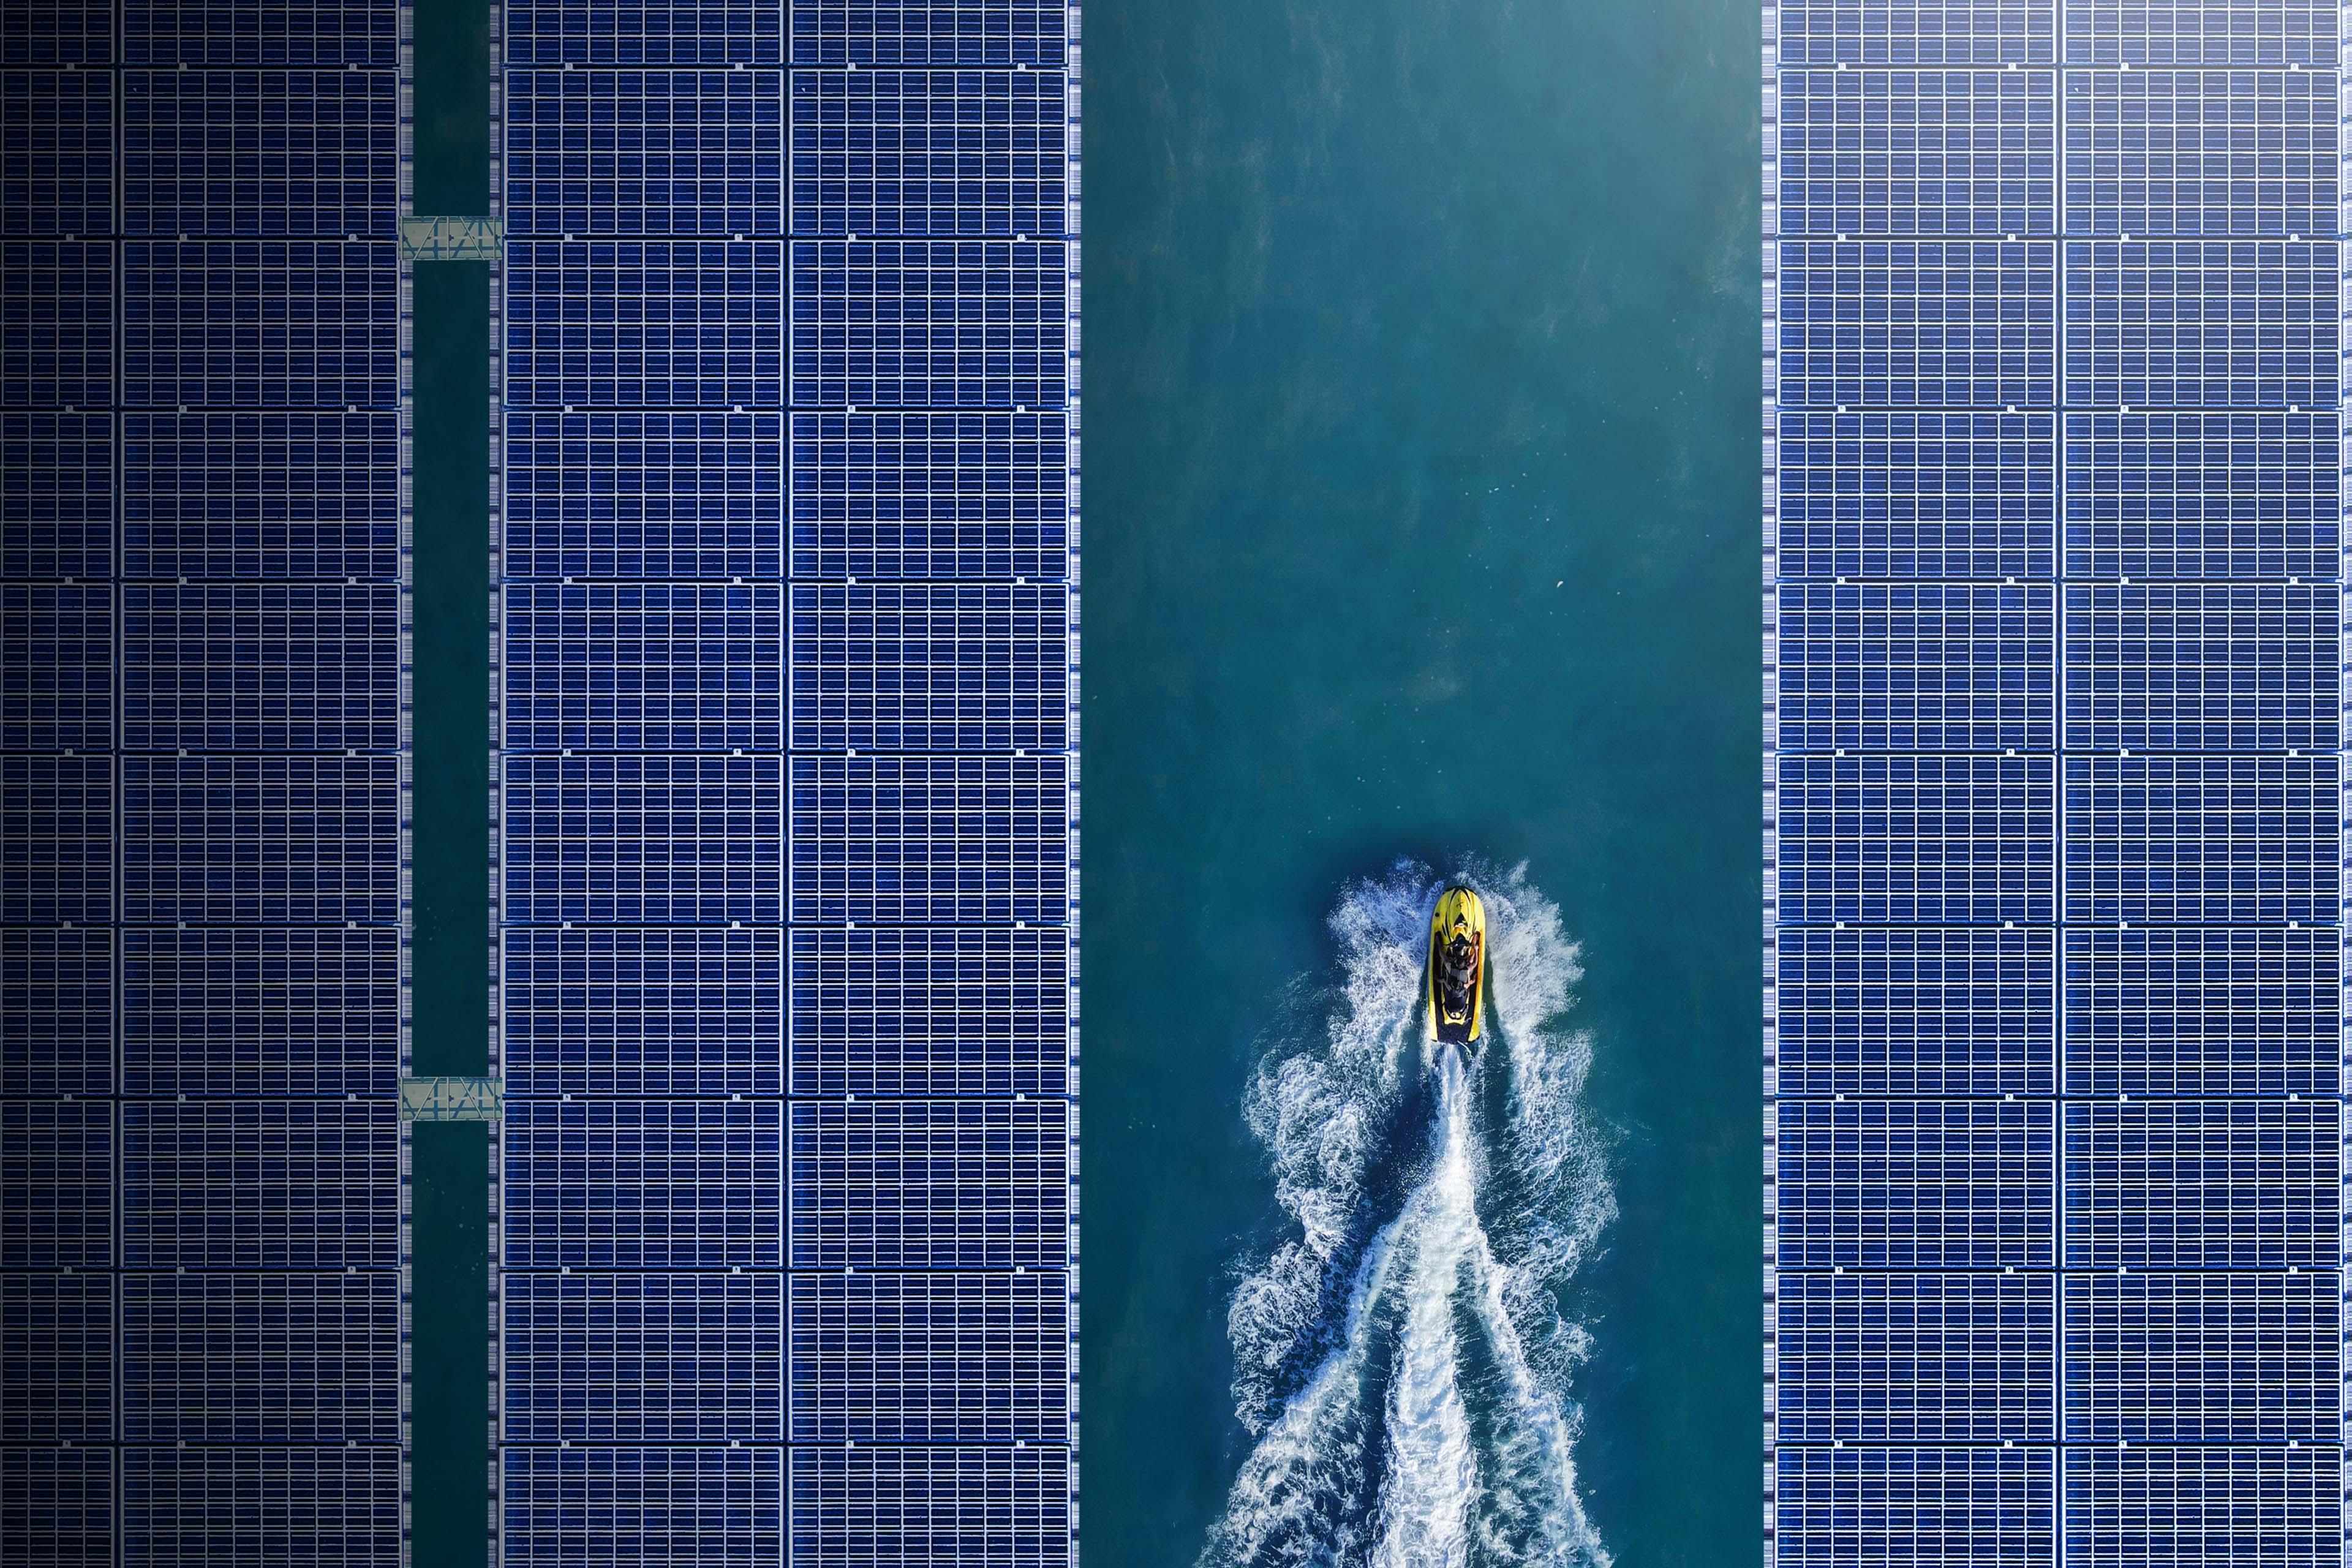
x=787, y=646
x=2054, y=653
x=203, y=727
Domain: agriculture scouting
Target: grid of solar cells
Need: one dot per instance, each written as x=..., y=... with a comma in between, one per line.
x=200, y=943
x=2204, y=1012
x=261, y=324
x=1917, y=495
x=2154, y=942
x=2174, y=1508
x=645, y=152
x=691, y=706
x=2198, y=666
x=57, y=496
x=907, y=1508
x=268, y=154
x=1917, y=666
x=929, y=152
x=665, y=1507
x=1918, y=153
x=1919, y=324
x=2202, y=494
x=1955, y=1508
x=2208, y=153
x=923, y=495
x=56, y=152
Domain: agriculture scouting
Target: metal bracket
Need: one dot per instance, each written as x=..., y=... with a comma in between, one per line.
x=451, y=1099
x=451, y=239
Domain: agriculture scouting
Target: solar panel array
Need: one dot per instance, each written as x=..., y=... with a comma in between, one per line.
x=203, y=722
x=787, y=641
x=2055, y=1142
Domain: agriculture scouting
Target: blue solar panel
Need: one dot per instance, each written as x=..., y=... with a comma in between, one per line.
x=238, y=1011
x=2238, y=1357
x=664, y=1507
x=931, y=667
x=644, y=840
x=56, y=323
x=2204, y=1012
x=912, y=1508
x=2200, y=152
x=2202, y=323
x=655, y=33
x=1909, y=1184
x=955, y=1357
x=931, y=495
x=56, y=1340
x=676, y=1185
x=680, y=1358
x=57, y=817
x=57, y=1205
x=364, y=33
x=58, y=32
x=2199, y=668
x=2188, y=840
x=930, y=1183
x=1945, y=1013
x=261, y=1358
x=57, y=496
x=669, y=324
x=312, y=153
x=57, y=667
x=644, y=153
x=1917, y=33
x=57, y=1507
x=930, y=32
x=635, y=495
x=261, y=495
x=930, y=841
x=255, y=1183
x=930, y=1012
x=1918, y=152
x=2151, y=1507
x=1917, y=1358
x=1949, y=1507
x=262, y=668
x=1917, y=495
x=644, y=668
x=57, y=1012
x=650, y=1013
x=2202, y=494
x=320, y=1508
x=2198, y=33
x=260, y=323
x=283, y=841
x=56, y=152
x=930, y=323
x=1924, y=667
x=929, y=152
x=1926, y=841
x=2190, y=1185
x=1918, y=322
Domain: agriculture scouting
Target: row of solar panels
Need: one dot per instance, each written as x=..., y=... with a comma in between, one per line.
x=917, y=328
x=231, y=1011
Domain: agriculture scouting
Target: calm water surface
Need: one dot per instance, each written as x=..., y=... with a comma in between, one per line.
x=1421, y=498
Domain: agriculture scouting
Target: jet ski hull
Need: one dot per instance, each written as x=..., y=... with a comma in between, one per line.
x=1456, y=993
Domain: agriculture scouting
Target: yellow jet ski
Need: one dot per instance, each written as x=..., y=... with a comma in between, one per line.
x=1457, y=967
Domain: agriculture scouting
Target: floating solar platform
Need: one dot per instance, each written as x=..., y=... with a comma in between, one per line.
x=2053, y=612
x=787, y=657
x=204, y=619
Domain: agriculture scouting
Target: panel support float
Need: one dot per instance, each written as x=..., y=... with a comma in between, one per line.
x=451, y=1099
x=451, y=239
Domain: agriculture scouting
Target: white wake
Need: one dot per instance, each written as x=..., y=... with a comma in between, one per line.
x=1401, y=1357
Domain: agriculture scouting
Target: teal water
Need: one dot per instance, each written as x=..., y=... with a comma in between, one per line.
x=1421, y=500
